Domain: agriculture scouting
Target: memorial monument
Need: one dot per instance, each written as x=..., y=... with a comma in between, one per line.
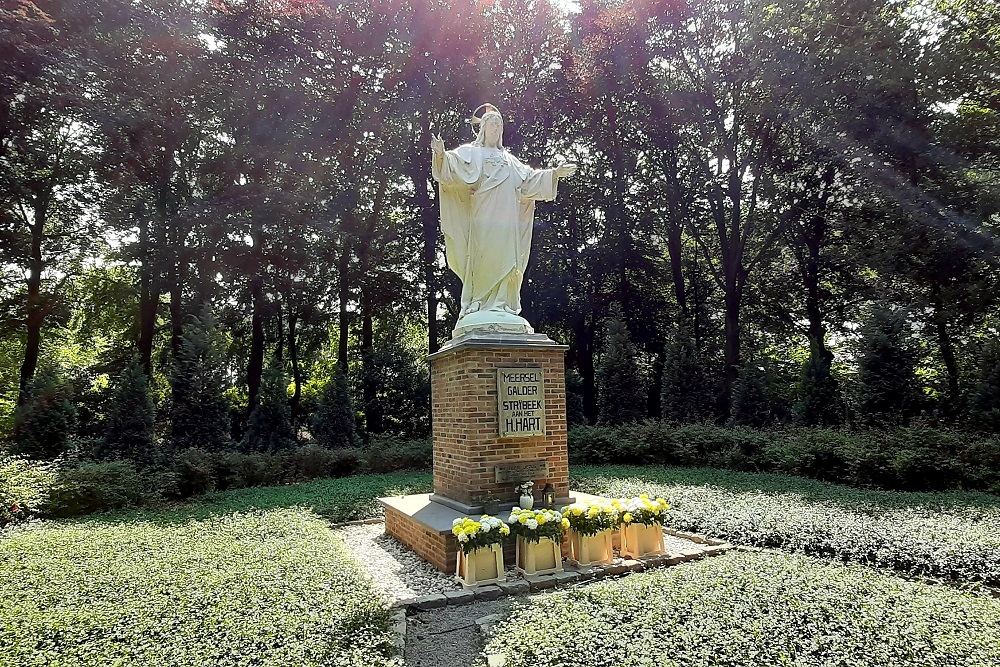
x=497, y=388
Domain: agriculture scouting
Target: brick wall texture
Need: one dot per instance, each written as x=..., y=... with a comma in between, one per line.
x=467, y=446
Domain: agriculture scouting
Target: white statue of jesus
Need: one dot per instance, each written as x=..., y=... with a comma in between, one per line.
x=487, y=199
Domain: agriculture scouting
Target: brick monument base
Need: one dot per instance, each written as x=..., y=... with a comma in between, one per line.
x=499, y=417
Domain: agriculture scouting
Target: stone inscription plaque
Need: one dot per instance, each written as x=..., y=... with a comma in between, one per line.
x=521, y=471
x=520, y=402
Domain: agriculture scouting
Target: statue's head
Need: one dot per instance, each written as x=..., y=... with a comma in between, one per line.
x=490, y=127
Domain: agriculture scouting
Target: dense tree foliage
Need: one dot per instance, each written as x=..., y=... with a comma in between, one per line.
x=764, y=188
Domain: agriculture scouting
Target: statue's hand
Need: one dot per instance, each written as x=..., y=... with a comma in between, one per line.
x=565, y=169
x=437, y=144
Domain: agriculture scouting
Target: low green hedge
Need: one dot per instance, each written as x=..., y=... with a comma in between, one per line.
x=205, y=586
x=907, y=459
x=752, y=609
x=946, y=534
x=67, y=488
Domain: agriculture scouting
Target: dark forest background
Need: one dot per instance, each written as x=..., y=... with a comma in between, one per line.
x=217, y=228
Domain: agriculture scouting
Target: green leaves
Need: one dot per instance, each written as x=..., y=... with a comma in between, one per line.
x=261, y=586
x=750, y=609
x=954, y=535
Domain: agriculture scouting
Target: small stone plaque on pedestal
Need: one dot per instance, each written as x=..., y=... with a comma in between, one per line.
x=521, y=471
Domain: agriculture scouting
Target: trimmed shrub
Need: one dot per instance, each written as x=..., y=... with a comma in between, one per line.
x=195, y=472
x=915, y=458
x=235, y=470
x=96, y=487
x=389, y=454
x=311, y=462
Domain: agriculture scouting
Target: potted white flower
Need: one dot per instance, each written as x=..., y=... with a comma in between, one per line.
x=526, y=500
x=591, y=528
x=539, y=539
x=642, y=525
x=480, y=554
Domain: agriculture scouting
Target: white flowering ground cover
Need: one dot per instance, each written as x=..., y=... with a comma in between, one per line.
x=952, y=534
x=251, y=587
x=753, y=609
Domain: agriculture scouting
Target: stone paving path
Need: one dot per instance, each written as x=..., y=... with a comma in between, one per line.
x=451, y=633
x=449, y=636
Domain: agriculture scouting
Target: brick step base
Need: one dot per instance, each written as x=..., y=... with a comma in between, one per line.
x=425, y=527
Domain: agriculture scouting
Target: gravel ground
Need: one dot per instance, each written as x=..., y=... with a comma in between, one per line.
x=675, y=544
x=397, y=572
x=400, y=574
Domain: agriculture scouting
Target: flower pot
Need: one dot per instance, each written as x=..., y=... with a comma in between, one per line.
x=642, y=540
x=590, y=549
x=526, y=502
x=541, y=557
x=481, y=566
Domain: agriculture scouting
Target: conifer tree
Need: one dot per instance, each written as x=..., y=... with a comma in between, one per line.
x=45, y=419
x=334, y=423
x=887, y=363
x=270, y=426
x=575, y=414
x=820, y=402
x=621, y=397
x=984, y=403
x=129, y=432
x=751, y=404
x=199, y=410
x=687, y=393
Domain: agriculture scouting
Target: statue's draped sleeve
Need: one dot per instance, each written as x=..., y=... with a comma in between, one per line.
x=456, y=172
x=538, y=184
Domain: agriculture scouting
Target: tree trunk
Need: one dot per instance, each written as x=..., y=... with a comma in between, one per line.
x=255, y=365
x=584, y=353
x=149, y=296
x=344, y=296
x=176, y=252
x=35, y=308
x=946, y=345
x=419, y=169
x=369, y=388
x=675, y=222
x=429, y=227
x=293, y=355
x=813, y=237
x=616, y=207
x=279, y=338
x=733, y=301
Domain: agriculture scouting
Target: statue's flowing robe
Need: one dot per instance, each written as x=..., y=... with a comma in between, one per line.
x=487, y=214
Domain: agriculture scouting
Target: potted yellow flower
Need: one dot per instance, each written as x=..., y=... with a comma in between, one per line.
x=539, y=539
x=591, y=528
x=480, y=554
x=642, y=525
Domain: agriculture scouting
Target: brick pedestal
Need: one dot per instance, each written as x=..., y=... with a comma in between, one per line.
x=467, y=444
